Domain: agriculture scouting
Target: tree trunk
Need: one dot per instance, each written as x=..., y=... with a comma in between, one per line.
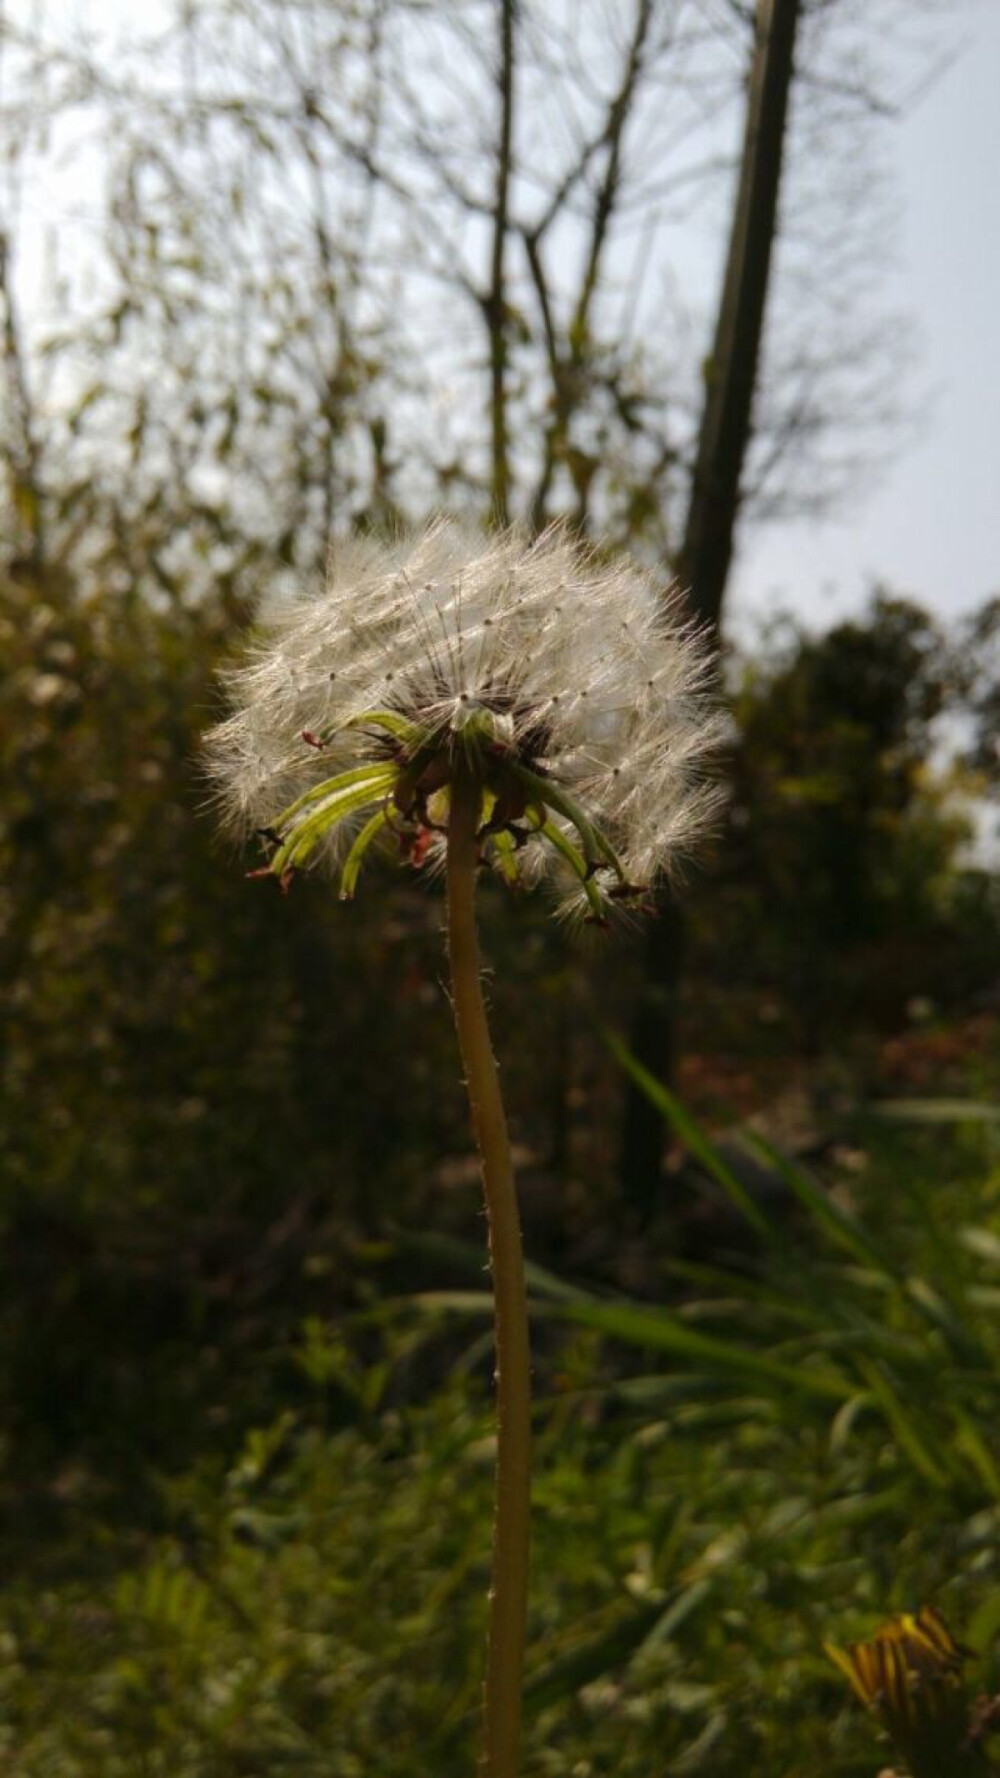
x=706, y=551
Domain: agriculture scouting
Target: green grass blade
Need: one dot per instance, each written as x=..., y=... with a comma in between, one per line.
x=971, y=1444
x=693, y=1138
x=758, y=1296
x=902, y=1425
x=938, y=1111
x=657, y=1330
x=611, y=1648
x=836, y=1223
x=846, y=1232
x=465, y=1256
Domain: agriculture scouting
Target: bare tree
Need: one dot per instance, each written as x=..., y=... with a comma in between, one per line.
x=772, y=397
x=716, y=485
x=209, y=365
x=731, y=369
x=326, y=244
x=348, y=261
x=351, y=262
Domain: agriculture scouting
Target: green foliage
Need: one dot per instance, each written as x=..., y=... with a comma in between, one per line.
x=840, y=881
x=182, y=1122
x=978, y=672
x=248, y=1471
x=317, y=1602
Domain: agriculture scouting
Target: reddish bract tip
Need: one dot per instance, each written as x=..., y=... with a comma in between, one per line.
x=420, y=846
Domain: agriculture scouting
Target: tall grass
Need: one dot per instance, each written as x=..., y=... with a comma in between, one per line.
x=769, y=1455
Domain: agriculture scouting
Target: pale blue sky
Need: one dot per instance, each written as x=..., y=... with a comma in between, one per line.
x=931, y=529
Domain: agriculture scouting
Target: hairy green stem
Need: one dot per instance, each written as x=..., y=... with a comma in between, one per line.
x=509, y=1594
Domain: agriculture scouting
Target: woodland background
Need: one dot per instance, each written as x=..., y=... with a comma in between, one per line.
x=328, y=267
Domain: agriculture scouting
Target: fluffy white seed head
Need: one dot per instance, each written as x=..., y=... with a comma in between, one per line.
x=562, y=670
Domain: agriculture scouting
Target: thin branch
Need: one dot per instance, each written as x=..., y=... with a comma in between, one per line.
x=566, y=367
x=23, y=457
x=495, y=303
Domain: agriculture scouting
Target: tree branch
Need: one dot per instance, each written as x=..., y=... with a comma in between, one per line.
x=20, y=448
x=495, y=302
x=567, y=367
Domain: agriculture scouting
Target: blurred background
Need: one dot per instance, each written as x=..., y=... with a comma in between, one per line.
x=712, y=282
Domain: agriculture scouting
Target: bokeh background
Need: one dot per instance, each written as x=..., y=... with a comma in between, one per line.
x=276, y=273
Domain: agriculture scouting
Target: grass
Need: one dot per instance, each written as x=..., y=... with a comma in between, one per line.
x=764, y=1457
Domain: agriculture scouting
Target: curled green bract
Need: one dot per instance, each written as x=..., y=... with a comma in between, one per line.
x=410, y=780
x=313, y=816
x=355, y=857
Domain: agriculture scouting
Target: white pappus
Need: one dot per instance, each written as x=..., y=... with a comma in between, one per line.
x=566, y=682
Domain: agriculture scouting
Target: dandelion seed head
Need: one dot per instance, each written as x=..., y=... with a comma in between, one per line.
x=570, y=684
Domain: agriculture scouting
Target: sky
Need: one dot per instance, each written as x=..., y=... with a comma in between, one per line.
x=931, y=528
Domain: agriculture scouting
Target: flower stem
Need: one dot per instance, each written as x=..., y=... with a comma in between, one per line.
x=509, y=1594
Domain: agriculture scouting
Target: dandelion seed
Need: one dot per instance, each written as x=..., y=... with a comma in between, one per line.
x=570, y=688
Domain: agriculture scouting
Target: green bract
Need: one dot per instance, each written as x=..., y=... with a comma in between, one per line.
x=410, y=793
